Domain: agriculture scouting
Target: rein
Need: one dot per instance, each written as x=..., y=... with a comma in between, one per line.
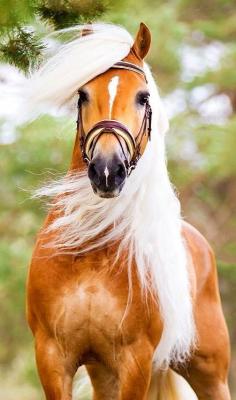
x=89, y=140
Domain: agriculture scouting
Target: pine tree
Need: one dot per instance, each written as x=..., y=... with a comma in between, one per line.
x=20, y=44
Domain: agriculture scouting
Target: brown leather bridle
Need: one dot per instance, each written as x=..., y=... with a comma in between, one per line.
x=89, y=140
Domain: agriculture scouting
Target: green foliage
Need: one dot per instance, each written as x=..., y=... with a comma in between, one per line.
x=224, y=29
x=14, y=12
x=195, y=10
x=223, y=77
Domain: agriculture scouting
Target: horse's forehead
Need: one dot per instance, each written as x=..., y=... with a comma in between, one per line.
x=124, y=79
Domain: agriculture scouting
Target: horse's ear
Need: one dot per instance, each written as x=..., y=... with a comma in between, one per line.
x=87, y=29
x=142, y=41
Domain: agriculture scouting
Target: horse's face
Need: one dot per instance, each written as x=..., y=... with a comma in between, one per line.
x=119, y=95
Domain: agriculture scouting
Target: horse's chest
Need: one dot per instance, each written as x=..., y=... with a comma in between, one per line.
x=89, y=303
x=91, y=311
x=88, y=310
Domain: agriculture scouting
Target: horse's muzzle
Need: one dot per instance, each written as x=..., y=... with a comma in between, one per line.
x=107, y=176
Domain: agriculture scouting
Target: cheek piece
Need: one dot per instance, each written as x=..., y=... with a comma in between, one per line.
x=89, y=140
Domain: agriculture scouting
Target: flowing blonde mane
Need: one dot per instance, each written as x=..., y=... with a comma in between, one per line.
x=146, y=216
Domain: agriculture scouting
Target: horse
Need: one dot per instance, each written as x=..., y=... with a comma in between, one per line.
x=118, y=282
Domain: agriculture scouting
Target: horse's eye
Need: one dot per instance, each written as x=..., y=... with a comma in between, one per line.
x=83, y=96
x=142, y=98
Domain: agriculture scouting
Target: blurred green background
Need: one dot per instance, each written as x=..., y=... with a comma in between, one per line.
x=193, y=58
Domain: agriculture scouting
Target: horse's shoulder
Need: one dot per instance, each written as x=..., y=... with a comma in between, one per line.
x=202, y=257
x=195, y=239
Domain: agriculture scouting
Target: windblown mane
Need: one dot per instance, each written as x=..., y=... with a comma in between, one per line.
x=146, y=216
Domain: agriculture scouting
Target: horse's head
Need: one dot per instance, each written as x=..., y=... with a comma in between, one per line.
x=114, y=119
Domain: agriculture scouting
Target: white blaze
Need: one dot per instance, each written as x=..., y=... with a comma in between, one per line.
x=106, y=173
x=112, y=89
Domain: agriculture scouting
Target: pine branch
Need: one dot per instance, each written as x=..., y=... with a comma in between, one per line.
x=61, y=14
x=21, y=48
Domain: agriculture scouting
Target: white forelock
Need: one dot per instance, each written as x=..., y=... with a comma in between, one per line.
x=145, y=217
x=77, y=62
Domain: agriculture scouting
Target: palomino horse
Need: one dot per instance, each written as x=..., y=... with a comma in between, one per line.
x=118, y=282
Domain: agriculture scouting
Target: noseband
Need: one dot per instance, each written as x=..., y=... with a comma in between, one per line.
x=89, y=140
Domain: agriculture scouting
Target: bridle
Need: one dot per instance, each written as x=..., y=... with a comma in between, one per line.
x=89, y=140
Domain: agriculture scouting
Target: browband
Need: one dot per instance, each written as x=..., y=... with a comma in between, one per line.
x=130, y=67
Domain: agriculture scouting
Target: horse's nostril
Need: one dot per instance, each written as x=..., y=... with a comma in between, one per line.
x=92, y=170
x=121, y=172
x=93, y=173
